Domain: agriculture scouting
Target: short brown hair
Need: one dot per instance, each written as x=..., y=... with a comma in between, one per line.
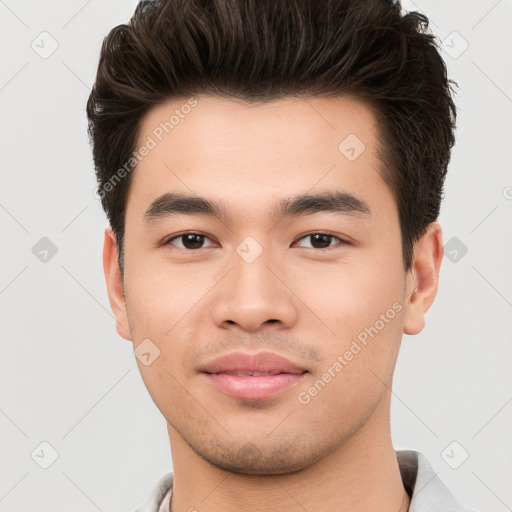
x=260, y=50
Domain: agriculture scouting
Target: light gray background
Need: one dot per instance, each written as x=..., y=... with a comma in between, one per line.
x=68, y=379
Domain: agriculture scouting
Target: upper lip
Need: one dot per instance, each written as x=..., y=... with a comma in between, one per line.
x=257, y=362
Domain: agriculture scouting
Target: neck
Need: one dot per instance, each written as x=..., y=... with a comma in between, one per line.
x=362, y=475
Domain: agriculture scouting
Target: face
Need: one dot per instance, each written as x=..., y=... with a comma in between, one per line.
x=316, y=280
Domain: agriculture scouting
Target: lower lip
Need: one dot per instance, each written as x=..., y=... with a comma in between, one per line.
x=253, y=387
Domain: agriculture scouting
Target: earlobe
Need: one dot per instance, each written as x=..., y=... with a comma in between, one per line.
x=423, y=278
x=114, y=283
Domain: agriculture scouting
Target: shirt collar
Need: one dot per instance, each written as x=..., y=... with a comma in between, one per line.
x=427, y=492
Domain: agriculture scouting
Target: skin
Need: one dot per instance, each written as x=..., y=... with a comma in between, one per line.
x=275, y=454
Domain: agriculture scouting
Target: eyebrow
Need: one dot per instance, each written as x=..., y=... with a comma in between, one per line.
x=346, y=203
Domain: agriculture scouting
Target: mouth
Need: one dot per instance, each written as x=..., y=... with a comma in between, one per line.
x=253, y=376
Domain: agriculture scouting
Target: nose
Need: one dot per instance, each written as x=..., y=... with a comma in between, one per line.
x=254, y=294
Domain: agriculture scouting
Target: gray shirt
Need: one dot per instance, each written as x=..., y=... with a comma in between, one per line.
x=427, y=492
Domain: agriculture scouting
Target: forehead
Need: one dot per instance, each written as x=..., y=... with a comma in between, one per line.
x=229, y=148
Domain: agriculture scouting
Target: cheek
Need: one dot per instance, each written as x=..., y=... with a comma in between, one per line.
x=165, y=307
x=157, y=312
x=344, y=299
x=158, y=297
x=358, y=316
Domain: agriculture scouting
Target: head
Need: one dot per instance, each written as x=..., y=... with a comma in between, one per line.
x=281, y=120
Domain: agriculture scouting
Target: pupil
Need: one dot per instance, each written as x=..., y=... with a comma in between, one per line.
x=192, y=241
x=323, y=239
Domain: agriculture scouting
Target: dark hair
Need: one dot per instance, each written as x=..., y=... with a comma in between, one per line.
x=260, y=50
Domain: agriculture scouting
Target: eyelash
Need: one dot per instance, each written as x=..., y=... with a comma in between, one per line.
x=342, y=241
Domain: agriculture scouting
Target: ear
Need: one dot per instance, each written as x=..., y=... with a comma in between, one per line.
x=423, y=278
x=115, y=286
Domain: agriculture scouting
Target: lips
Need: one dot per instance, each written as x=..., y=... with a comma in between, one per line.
x=262, y=362
x=252, y=376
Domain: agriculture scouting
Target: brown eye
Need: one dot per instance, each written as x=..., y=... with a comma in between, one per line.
x=191, y=241
x=320, y=240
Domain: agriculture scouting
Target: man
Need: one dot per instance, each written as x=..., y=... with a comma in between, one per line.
x=272, y=173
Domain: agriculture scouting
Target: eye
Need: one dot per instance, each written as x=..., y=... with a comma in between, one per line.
x=193, y=241
x=321, y=240
x=190, y=241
